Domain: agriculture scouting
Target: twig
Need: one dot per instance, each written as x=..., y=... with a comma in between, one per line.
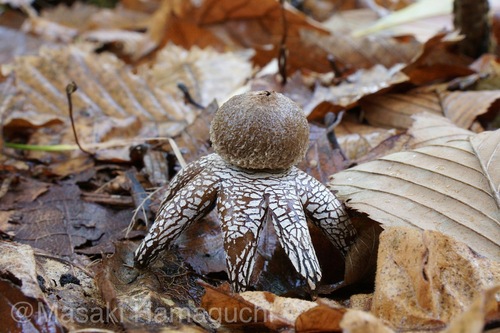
x=187, y=96
x=177, y=152
x=332, y=121
x=283, y=52
x=70, y=89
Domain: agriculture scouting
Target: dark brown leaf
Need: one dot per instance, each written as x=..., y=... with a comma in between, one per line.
x=61, y=223
x=438, y=62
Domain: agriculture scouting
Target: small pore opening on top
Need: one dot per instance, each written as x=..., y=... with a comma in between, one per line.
x=266, y=92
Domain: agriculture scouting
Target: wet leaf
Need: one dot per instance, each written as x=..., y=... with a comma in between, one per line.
x=49, y=223
x=424, y=278
x=425, y=188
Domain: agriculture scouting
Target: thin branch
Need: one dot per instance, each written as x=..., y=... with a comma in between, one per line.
x=331, y=121
x=70, y=89
x=187, y=96
x=283, y=52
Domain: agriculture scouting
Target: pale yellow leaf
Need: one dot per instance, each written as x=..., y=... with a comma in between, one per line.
x=425, y=279
x=438, y=187
x=418, y=10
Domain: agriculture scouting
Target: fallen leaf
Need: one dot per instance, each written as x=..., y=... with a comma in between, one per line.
x=320, y=319
x=347, y=94
x=438, y=61
x=396, y=110
x=232, y=310
x=112, y=103
x=430, y=129
x=321, y=159
x=417, y=10
x=425, y=188
x=209, y=75
x=357, y=140
x=357, y=321
x=473, y=319
x=18, y=265
x=364, y=52
x=49, y=224
x=425, y=278
x=486, y=147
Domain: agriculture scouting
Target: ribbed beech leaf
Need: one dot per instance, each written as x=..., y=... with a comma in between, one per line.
x=396, y=110
x=448, y=186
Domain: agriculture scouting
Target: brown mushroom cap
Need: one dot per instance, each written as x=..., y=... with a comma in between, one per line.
x=260, y=130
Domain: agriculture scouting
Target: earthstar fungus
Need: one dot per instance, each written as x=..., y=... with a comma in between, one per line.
x=258, y=137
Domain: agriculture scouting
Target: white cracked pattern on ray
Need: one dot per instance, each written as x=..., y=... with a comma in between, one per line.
x=243, y=198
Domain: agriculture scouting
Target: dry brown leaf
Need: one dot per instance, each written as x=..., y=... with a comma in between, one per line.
x=473, y=320
x=253, y=311
x=112, y=102
x=208, y=74
x=430, y=129
x=357, y=139
x=357, y=321
x=487, y=149
x=23, y=306
x=320, y=319
x=438, y=61
x=438, y=187
x=321, y=159
x=396, y=110
x=425, y=278
x=365, y=52
x=347, y=94
x=18, y=260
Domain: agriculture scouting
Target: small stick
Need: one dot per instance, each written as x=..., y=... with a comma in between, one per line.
x=283, y=52
x=70, y=89
x=187, y=96
x=331, y=121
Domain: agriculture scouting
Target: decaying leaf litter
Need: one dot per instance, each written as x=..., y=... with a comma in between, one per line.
x=415, y=123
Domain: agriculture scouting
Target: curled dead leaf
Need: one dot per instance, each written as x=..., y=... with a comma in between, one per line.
x=424, y=278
